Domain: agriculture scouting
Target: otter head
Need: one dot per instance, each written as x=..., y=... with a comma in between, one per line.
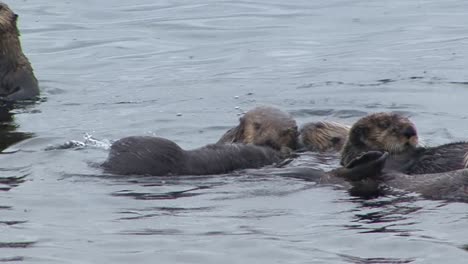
x=268, y=126
x=323, y=136
x=388, y=132
x=7, y=20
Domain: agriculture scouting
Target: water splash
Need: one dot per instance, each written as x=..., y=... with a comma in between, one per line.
x=88, y=142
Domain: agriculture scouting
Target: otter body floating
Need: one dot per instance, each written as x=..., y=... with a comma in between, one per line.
x=143, y=155
x=396, y=134
x=17, y=80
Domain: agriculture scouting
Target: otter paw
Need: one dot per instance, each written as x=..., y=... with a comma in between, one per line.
x=367, y=166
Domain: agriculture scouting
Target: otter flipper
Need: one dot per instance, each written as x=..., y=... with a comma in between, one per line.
x=368, y=165
x=23, y=85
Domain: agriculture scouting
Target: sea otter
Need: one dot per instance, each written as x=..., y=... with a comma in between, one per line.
x=144, y=155
x=264, y=126
x=388, y=132
x=17, y=80
x=396, y=134
x=323, y=136
x=449, y=185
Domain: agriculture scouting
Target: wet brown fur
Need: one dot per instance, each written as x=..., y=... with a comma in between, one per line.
x=323, y=136
x=264, y=126
x=443, y=158
x=379, y=132
x=396, y=134
x=17, y=80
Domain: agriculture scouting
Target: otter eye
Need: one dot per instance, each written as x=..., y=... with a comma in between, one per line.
x=335, y=140
x=383, y=125
x=286, y=132
x=319, y=125
x=257, y=126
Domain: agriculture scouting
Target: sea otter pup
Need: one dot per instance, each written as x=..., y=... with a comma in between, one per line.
x=396, y=134
x=264, y=126
x=17, y=80
x=144, y=155
x=323, y=136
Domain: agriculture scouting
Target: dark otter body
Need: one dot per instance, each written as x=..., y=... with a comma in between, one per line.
x=438, y=159
x=17, y=80
x=450, y=186
x=264, y=126
x=357, y=177
x=158, y=156
x=323, y=136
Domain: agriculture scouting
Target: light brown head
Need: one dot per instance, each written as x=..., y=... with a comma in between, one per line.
x=388, y=132
x=7, y=20
x=323, y=136
x=267, y=126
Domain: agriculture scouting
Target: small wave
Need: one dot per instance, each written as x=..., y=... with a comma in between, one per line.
x=88, y=142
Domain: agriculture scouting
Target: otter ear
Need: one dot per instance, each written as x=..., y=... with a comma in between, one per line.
x=239, y=130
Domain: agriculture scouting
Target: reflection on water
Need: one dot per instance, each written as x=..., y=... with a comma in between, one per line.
x=358, y=260
x=10, y=177
x=8, y=134
x=160, y=196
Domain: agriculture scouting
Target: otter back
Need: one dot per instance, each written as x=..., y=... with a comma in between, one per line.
x=159, y=157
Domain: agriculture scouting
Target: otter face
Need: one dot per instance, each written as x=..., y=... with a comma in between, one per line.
x=269, y=126
x=324, y=136
x=7, y=20
x=389, y=132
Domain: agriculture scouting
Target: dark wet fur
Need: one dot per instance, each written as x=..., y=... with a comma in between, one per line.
x=17, y=80
x=158, y=156
x=357, y=178
x=450, y=185
x=438, y=159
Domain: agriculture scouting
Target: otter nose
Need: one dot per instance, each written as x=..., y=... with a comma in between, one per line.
x=409, y=132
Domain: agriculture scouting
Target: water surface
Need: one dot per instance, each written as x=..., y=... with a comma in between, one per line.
x=186, y=70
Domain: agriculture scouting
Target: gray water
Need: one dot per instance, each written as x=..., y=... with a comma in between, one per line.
x=185, y=70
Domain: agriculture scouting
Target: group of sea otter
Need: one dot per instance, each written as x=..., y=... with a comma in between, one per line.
x=379, y=151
